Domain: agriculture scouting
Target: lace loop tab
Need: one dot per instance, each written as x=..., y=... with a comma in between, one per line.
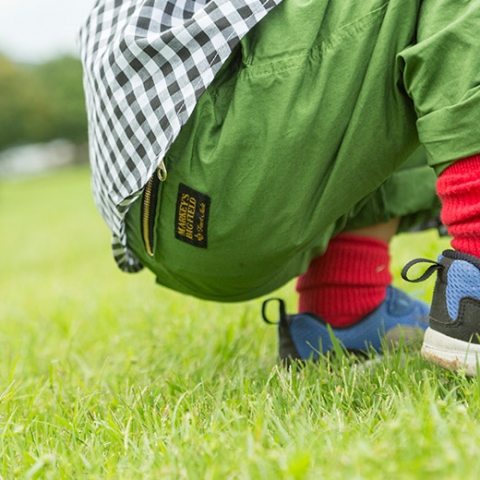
x=434, y=266
x=281, y=308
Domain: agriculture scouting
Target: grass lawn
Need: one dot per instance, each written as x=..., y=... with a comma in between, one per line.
x=106, y=375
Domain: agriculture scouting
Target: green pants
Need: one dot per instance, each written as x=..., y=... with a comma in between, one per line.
x=306, y=132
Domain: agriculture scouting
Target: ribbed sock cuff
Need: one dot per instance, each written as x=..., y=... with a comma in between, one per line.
x=459, y=189
x=348, y=281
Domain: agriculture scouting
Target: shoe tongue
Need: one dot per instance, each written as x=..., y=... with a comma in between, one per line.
x=455, y=255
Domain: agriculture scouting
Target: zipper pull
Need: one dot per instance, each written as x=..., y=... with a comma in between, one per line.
x=162, y=171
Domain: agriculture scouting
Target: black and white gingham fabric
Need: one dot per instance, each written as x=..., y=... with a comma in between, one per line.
x=146, y=63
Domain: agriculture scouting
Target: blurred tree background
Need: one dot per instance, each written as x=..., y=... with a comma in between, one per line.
x=40, y=103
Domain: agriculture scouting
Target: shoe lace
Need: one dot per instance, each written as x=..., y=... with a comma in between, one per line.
x=434, y=267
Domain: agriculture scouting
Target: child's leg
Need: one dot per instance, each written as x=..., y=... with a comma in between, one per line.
x=453, y=339
x=448, y=109
x=441, y=75
x=348, y=287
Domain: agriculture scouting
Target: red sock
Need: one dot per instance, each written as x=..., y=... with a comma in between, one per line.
x=459, y=189
x=348, y=281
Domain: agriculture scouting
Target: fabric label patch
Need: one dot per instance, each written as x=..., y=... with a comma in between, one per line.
x=191, y=218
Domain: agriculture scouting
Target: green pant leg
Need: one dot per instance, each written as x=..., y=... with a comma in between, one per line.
x=442, y=76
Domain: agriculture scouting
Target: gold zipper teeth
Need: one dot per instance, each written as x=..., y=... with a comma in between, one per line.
x=147, y=205
x=146, y=214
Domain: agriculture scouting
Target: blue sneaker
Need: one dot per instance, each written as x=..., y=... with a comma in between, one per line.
x=306, y=336
x=453, y=338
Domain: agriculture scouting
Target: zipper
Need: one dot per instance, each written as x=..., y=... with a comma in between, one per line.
x=149, y=206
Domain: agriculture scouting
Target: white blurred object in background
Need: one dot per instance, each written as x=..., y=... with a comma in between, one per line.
x=36, y=158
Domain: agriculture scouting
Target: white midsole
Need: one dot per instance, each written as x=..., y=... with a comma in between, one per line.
x=450, y=352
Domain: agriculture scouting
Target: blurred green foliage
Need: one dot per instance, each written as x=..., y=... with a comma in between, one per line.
x=39, y=103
